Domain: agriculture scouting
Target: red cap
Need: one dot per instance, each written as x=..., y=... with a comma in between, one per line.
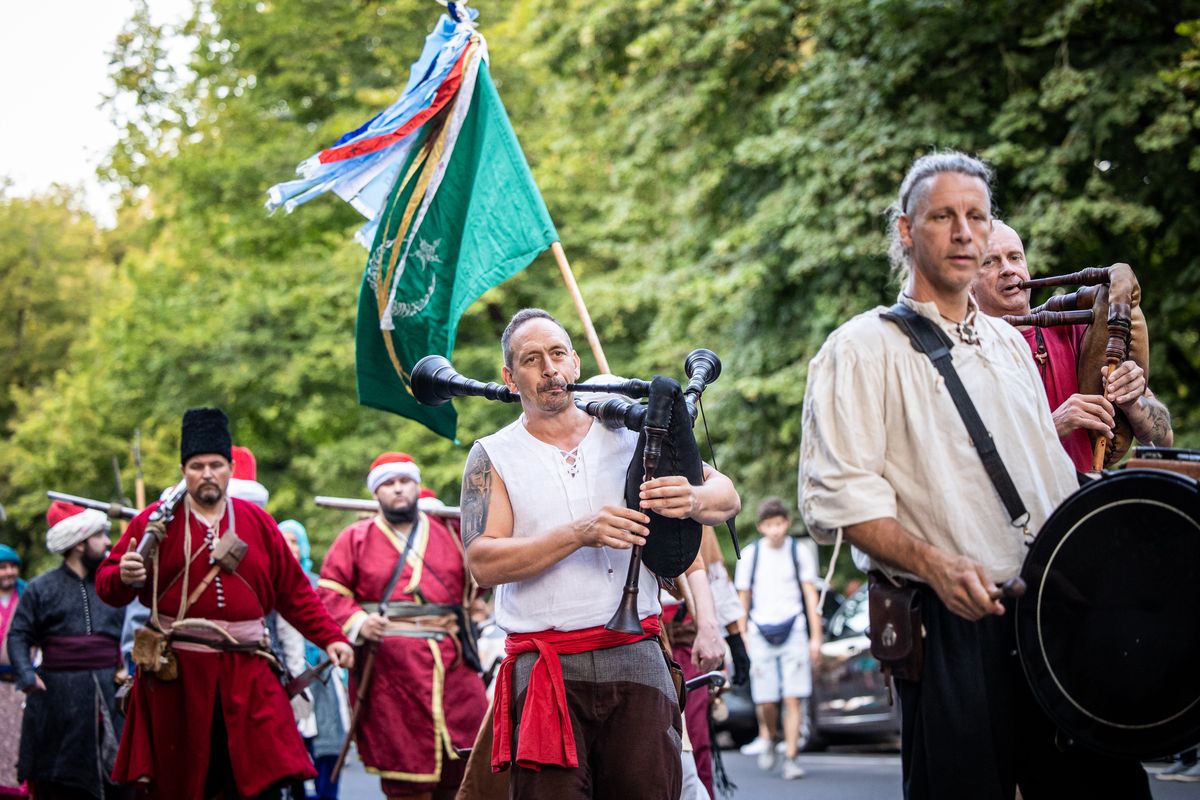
x=244, y=465
x=427, y=492
x=391, y=465
x=59, y=511
x=392, y=458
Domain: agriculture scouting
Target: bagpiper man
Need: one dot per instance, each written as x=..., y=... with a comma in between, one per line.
x=71, y=726
x=580, y=711
x=208, y=714
x=424, y=683
x=1056, y=351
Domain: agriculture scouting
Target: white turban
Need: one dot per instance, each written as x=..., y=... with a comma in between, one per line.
x=252, y=491
x=69, y=532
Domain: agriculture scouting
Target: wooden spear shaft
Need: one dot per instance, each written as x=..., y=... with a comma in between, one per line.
x=139, y=479
x=580, y=308
x=360, y=700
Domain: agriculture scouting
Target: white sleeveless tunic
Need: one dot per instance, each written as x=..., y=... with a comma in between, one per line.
x=584, y=589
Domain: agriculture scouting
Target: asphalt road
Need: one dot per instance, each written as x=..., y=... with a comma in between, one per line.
x=831, y=776
x=843, y=776
x=865, y=776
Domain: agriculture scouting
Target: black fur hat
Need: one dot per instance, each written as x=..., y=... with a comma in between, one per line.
x=205, y=430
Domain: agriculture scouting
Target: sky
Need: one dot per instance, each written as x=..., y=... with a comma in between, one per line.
x=54, y=59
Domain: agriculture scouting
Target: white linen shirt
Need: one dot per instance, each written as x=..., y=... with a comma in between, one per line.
x=882, y=438
x=584, y=588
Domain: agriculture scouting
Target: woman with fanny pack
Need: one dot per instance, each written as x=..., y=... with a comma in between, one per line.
x=775, y=579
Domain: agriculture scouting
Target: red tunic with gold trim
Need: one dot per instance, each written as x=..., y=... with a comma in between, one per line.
x=423, y=701
x=168, y=730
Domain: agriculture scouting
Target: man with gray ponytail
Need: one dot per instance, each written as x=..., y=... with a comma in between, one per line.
x=887, y=463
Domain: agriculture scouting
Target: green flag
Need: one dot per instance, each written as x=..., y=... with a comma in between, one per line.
x=463, y=216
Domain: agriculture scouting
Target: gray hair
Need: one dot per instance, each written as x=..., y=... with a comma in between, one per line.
x=912, y=190
x=519, y=319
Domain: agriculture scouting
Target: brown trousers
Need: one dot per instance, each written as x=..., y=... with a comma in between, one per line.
x=627, y=733
x=627, y=736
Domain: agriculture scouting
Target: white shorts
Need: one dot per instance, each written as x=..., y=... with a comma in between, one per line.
x=778, y=671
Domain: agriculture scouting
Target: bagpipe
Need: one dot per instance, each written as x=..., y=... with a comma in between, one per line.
x=1109, y=303
x=666, y=446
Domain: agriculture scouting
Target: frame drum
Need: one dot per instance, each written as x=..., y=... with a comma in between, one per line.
x=1109, y=628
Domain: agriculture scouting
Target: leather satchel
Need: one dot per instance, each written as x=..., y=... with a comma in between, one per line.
x=896, y=633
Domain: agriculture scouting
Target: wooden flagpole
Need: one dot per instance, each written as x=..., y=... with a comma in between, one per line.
x=580, y=308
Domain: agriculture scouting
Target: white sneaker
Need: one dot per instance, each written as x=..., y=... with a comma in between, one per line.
x=1190, y=775
x=781, y=747
x=755, y=748
x=1170, y=772
x=767, y=759
x=792, y=769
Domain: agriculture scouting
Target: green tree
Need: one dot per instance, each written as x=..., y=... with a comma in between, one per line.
x=51, y=262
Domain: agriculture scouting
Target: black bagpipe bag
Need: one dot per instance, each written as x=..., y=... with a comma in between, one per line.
x=672, y=544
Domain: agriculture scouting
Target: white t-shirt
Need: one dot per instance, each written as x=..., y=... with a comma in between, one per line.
x=776, y=592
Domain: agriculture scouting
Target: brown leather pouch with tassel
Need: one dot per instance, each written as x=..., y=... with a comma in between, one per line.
x=896, y=633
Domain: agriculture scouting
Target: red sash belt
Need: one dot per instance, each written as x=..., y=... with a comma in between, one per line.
x=546, y=733
x=88, y=651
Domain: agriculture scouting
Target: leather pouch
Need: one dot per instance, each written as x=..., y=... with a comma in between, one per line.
x=229, y=551
x=680, y=682
x=896, y=632
x=677, y=678
x=153, y=655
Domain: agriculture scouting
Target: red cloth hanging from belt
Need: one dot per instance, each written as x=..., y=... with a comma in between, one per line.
x=546, y=733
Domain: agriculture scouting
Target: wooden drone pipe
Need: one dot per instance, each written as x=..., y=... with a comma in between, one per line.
x=1049, y=319
x=1079, y=299
x=1085, y=277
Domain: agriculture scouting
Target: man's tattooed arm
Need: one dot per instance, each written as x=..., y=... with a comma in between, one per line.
x=476, y=494
x=1160, y=425
x=1153, y=425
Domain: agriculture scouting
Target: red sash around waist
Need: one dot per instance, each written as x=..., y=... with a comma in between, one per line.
x=546, y=733
x=88, y=651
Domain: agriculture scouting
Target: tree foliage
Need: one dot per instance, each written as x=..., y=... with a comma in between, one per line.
x=718, y=172
x=51, y=263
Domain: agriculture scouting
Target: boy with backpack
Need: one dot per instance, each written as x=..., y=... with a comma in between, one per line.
x=775, y=580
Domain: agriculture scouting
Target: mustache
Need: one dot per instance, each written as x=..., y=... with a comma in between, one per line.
x=556, y=383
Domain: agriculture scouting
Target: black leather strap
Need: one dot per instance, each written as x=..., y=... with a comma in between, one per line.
x=930, y=339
